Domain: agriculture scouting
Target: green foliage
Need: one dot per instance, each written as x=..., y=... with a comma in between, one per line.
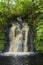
x=9, y=10
x=23, y=7
x=2, y=39
x=31, y=11
x=39, y=37
x=38, y=18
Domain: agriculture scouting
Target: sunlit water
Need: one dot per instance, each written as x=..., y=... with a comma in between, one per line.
x=18, y=35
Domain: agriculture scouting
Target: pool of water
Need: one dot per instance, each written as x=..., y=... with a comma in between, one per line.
x=31, y=59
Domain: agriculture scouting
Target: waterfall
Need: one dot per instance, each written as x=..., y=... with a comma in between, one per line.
x=18, y=35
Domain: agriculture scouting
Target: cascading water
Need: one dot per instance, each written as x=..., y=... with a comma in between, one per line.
x=18, y=35
x=20, y=40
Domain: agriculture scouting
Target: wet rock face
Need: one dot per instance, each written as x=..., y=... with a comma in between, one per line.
x=18, y=36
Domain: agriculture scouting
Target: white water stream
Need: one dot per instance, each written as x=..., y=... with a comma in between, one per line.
x=18, y=35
